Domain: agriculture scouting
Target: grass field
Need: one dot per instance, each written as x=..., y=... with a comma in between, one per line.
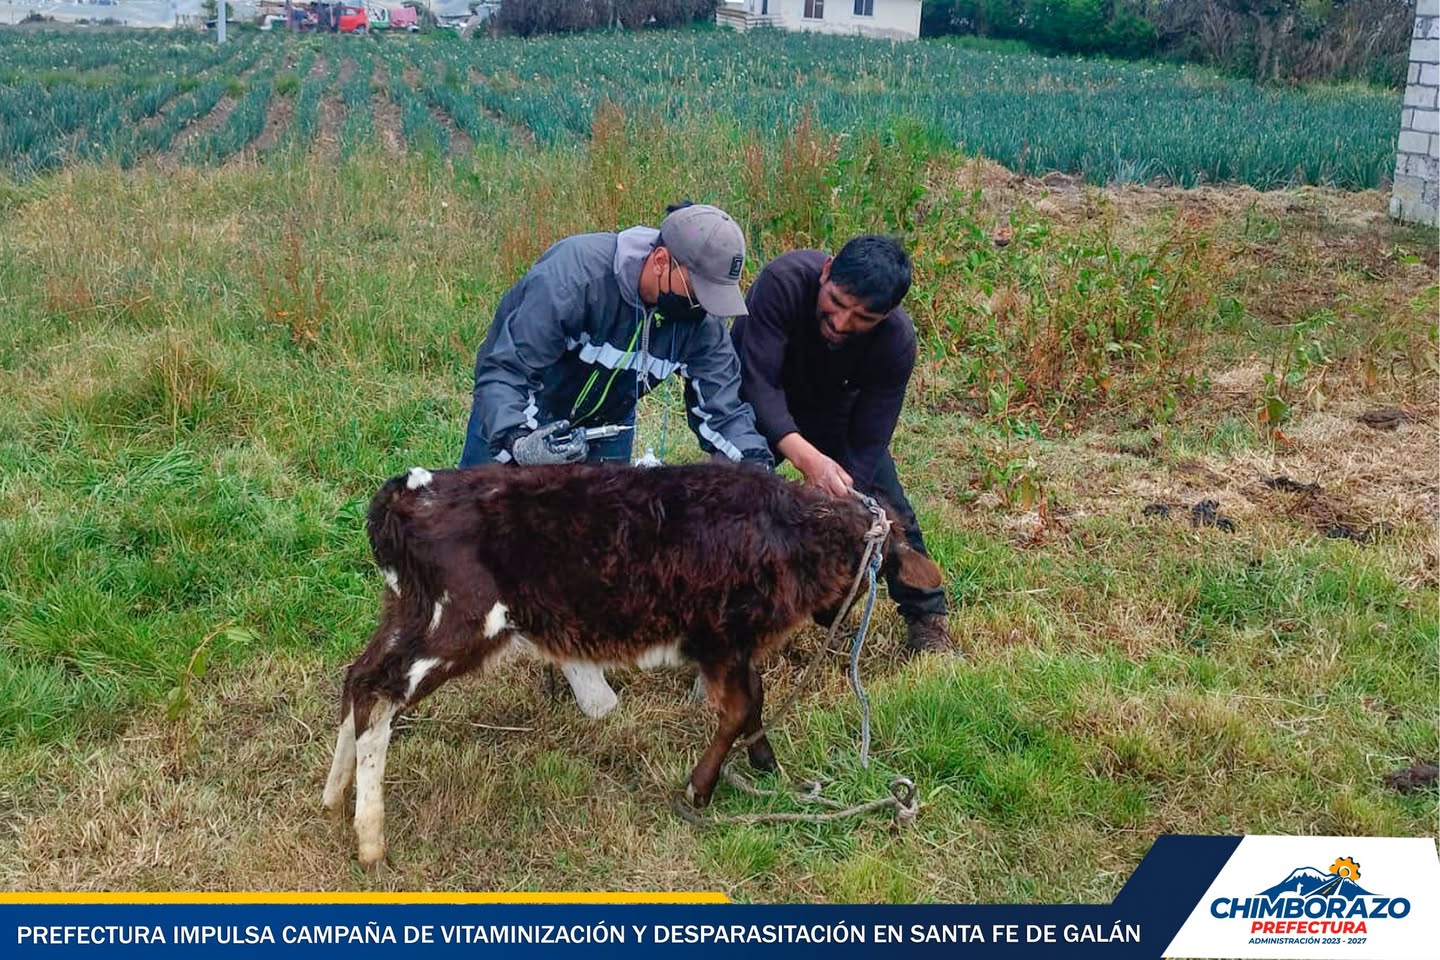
x=207, y=372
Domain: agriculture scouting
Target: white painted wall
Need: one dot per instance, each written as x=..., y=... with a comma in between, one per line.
x=892, y=20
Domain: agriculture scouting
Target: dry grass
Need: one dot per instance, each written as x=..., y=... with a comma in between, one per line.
x=228, y=798
x=1124, y=675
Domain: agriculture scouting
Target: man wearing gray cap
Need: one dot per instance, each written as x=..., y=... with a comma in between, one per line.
x=599, y=321
x=596, y=323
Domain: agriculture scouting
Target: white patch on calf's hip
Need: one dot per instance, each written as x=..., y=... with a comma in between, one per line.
x=495, y=620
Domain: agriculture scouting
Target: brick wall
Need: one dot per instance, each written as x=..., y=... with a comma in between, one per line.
x=1416, y=196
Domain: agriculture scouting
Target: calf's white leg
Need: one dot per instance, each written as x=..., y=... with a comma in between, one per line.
x=370, y=748
x=592, y=692
x=342, y=768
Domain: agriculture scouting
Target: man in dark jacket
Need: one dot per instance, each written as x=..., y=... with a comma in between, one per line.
x=596, y=323
x=599, y=321
x=826, y=353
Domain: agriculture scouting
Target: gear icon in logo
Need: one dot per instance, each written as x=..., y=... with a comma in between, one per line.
x=1347, y=868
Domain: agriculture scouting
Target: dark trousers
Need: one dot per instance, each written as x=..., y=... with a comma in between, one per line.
x=885, y=486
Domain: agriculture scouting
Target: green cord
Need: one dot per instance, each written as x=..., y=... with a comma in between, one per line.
x=594, y=374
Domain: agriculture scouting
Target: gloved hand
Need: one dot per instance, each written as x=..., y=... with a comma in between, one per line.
x=537, y=448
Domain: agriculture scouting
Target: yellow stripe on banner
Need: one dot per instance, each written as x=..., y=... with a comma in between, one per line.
x=346, y=897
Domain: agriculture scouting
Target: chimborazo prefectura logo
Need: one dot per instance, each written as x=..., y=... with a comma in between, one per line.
x=1314, y=902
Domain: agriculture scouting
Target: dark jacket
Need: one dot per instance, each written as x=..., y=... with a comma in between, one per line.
x=845, y=400
x=575, y=319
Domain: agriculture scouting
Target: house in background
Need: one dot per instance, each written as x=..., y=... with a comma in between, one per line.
x=882, y=19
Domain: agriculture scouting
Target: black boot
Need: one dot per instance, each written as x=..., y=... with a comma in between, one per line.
x=928, y=633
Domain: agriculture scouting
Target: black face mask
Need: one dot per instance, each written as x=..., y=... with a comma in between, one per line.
x=677, y=306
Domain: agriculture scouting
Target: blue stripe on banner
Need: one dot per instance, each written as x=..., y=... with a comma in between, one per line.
x=1173, y=877
x=1140, y=923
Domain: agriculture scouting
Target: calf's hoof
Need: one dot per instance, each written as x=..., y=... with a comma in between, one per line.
x=599, y=703
x=696, y=798
x=372, y=855
x=334, y=807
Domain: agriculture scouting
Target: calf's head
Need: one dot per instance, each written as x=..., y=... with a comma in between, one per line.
x=910, y=566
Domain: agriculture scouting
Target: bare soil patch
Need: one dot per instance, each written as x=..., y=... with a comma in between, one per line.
x=277, y=121
x=212, y=121
x=524, y=133
x=388, y=124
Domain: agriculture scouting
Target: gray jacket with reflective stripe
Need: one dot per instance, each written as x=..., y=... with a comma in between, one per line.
x=574, y=319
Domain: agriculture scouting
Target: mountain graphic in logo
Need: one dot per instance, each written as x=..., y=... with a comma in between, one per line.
x=1307, y=882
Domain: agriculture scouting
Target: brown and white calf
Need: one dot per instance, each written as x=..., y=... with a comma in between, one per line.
x=600, y=565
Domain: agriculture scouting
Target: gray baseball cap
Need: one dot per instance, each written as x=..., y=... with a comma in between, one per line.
x=711, y=246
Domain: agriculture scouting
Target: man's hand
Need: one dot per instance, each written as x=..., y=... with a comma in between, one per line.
x=536, y=448
x=819, y=470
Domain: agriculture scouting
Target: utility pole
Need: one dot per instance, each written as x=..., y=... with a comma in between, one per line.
x=220, y=22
